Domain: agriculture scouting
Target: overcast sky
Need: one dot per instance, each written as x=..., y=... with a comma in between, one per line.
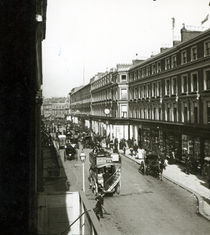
x=84, y=37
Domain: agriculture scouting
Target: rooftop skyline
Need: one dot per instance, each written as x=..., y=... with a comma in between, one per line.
x=84, y=37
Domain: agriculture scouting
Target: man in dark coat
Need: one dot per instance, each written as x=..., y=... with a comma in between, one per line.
x=99, y=206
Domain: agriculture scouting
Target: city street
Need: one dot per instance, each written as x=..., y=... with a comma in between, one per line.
x=145, y=205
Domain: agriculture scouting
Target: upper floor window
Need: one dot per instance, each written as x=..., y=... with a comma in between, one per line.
x=195, y=112
x=147, y=71
x=136, y=93
x=154, y=69
x=158, y=89
x=174, y=86
x=167, y=87
x=167, y=63
x=158, y=67
x=124, y=94
x=153, y=89
x=123, y=77
x=173, y=61
x=207, y=48
x=143, y=72
x=184, y=84
x=207, y=79
x=194, y=82
x=148, y=91
x=124, y=111
x=184, y=57
x=140, y=73
x=135, y=75
x=145, y=91
x=131, y=76
x=194, y=53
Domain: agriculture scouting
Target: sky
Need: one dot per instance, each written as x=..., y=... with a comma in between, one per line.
x=84, y=37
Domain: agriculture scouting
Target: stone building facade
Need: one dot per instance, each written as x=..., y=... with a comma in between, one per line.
x=163, y=102
x=169, y=98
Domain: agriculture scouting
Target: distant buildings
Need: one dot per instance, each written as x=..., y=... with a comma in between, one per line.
x=57, y=107
x=162, y=102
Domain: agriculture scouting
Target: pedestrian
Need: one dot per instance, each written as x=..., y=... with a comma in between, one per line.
x=135, y=147
x=99, y=206
x=115, y=145
x=187, y=164
x=162, y=165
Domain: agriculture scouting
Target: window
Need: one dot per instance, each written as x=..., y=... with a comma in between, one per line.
x=153, y=89
x=154, y=69
x=135, y=75
x=185, y=114
x=154, y=113
x=140, y=73
x=148, y=91
x=207, y=48
x=158, y=89
x=168, y=113
x=158, y=67
x=195, y=114
x=184, y=57
x=167, y=64
x=167, y=87
x=145, y=92
x=136, y=93
x=194, y=82
x=148, y=71
x=124, y=94
x=123, y=78
x=159, y=113
x=175, y=115
x=173, y=61
x=208, y=112
x=132, y=76
x=184, y=84
x=143, y=72
x=207, y=80
x=124, y=111
x=173, y=86
x=194, y=54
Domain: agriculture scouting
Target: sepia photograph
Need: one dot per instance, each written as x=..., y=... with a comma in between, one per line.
x=105, y=117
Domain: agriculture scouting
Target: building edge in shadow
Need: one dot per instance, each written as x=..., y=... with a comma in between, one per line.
x=23, y=29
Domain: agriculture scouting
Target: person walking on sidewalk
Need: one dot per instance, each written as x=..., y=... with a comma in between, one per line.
x=187, y=164
x=99, y=206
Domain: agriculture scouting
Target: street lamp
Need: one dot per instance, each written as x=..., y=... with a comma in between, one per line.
x=107, y=112
x=83, y=158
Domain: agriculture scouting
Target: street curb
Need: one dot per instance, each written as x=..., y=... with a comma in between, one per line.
x=200, y=200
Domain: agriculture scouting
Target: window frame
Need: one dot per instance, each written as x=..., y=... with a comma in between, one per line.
x=183, y=58
x=182, y=83
x=205, y=48
x=192, y=82
x=192, y=48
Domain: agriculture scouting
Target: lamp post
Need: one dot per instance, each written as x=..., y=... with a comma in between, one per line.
x=107, y=112
x=83, y=158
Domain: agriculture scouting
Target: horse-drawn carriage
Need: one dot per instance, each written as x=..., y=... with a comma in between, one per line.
x=152, y=165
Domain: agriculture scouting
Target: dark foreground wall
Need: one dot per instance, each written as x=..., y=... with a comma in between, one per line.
x=17, y=92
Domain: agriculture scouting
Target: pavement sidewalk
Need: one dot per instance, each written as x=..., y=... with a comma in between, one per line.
x=192, y=183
